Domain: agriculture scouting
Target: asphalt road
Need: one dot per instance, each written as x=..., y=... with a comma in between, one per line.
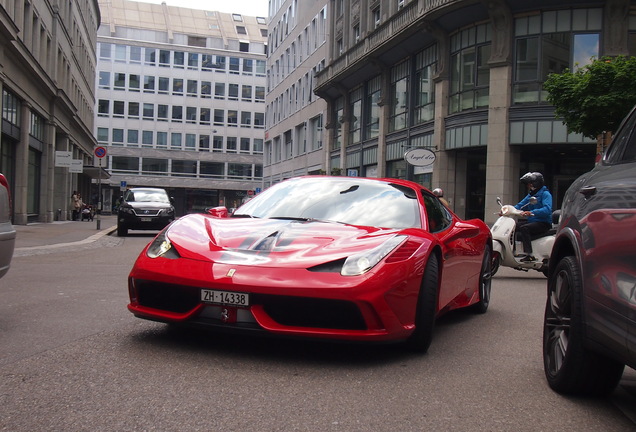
x=72, y=358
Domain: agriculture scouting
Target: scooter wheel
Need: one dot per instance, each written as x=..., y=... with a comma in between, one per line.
x=495, y=263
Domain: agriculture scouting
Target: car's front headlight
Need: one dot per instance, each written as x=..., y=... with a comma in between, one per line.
x=361, y=263
x=161, y=246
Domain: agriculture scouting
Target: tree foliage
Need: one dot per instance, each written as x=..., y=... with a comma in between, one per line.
x=595, y=98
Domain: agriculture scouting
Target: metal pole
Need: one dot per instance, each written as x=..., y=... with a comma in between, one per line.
x=99, y=196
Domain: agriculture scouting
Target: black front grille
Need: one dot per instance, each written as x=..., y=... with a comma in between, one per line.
x=168, y=297
x=310, y=312
x=285, y=310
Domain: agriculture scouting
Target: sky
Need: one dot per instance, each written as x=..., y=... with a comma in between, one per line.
x=243, y=7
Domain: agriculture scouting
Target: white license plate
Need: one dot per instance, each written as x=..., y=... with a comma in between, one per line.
x=228, y=298
x=145, y=219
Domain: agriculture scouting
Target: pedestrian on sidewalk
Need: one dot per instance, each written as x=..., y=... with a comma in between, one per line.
x=75, y=205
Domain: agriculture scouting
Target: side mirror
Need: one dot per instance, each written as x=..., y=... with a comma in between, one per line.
x=218, y=212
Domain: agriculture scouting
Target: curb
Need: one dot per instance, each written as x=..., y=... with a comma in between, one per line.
x=90, y=239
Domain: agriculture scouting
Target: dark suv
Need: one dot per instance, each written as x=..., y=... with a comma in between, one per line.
x=589, y=331
x=144, y=209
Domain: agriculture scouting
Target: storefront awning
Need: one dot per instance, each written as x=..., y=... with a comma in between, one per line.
x=94, y=172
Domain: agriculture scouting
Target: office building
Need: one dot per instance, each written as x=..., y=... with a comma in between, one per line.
x=462, y=79
x=181, y=102
x=47, y=79
x=295, y=116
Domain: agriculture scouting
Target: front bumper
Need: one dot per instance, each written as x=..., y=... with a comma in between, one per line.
x=377, y=306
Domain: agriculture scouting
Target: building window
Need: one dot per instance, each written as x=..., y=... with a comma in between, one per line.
x=162, y=140
x=470, y=73
x=183, y=168
x=133, y=109
x=179, y=59
x=133, y=138
x=149, y=84
x=193, y=61
x=149, y=111
x=241, y=30
x=118, y=109
x=237, y=17
x=150, y=55
x=355, y=120
x=398, y=116
x=146, y=138
x=164, y=85
x=425, y=91
x=372, y=109
x=127, y=164
x=164, y=58
x=191, y=142
x=120, y=81
x=104, y=80
x=102, y=135
x=175, y=141
x=541, y=50
x=154, y=166
x=133, y=82
x=177, y=113
x=103, y=107
x=162, y=112
x=217, y=144
x=377, y=18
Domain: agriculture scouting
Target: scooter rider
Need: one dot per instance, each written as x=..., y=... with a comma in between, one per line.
x=539, y=215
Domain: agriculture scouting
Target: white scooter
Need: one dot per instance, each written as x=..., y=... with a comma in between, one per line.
x=508, y=249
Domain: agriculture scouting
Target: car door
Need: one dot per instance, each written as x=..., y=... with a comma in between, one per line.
x=459, y=258
x=607, y=215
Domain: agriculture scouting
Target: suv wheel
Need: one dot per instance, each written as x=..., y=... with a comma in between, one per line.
x=569, y=367
x=122, y=230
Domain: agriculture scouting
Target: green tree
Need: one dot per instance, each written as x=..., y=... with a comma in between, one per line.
x=596, y=97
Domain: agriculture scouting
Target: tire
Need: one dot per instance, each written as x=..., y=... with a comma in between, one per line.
x=570, y=367
x=485, y=283
x=122, y=230
x=426, y=311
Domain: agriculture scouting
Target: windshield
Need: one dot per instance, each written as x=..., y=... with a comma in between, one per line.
x=348, y=200
x=146, y=195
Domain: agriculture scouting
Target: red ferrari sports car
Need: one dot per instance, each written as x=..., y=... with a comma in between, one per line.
x=343, y=258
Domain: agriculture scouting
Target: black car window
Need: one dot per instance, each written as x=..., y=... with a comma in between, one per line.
x=623, y=147
x=437, y=214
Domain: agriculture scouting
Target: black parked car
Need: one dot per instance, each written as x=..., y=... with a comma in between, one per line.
x=144, y=209
x=589, y=332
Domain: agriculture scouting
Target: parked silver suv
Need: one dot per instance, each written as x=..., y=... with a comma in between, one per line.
x=590, y=317
x=7, y=232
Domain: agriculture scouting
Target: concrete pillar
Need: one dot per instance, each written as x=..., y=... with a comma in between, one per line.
x=502, y=160
x=22, y=168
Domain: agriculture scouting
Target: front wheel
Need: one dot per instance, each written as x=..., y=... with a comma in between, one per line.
x=570, y=367
x=122, y=230
x=426, y=311
x=485, y=283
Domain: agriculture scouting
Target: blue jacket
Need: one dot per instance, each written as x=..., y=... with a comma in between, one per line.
x=542, y=210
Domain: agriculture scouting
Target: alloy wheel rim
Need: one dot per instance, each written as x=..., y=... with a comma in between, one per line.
x=557, y=322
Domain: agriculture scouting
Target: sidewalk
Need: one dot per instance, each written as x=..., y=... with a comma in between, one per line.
x=62, y=233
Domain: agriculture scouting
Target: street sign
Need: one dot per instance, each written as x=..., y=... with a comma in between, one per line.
x=100, y=152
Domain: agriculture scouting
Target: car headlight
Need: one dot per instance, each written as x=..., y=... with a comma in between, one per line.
x=361, y=263
x=128, y=210
x=161, y=246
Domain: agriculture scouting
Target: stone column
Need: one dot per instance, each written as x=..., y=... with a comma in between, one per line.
x=22, y=168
